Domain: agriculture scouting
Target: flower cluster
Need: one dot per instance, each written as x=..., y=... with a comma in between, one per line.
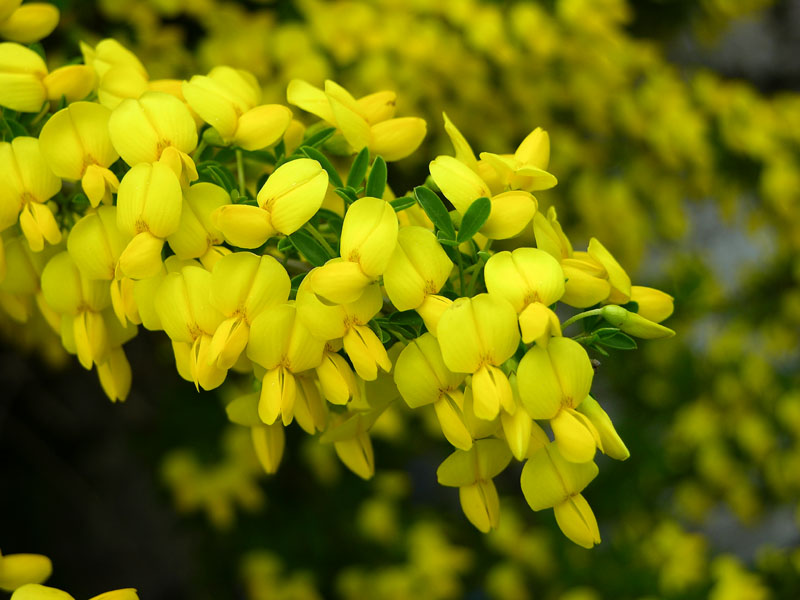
x=276, y=250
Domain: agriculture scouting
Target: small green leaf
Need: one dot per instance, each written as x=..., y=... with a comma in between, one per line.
x=297, y=280
x=436, y=211
x=400, y=204
x=320, y=137
x=310, y=248
x=284, y=244
x=17, y=130
x=376, y=182
x=618, y=341
x=326, y=164
x=347, y=194
x=631, y=306
x=474, y=218
x=409, y=318
x=359, y=168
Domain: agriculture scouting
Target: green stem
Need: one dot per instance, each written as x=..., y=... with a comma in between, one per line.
x=460, y=272
x=240, y=172
x=319, y=237
x=199, y=150
x=579, y=316
x=478, y=266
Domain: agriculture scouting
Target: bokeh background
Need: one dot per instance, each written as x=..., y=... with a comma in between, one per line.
x=675, y=129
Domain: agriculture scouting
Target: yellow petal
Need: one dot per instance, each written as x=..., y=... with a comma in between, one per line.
x=511, y=213
x=452, y=423
x=339, y=282
x=353, y=126
x=431, y=310
x=293, y=193
x=142, y=256
x=33, y=591
x=395, y=139
x=460, y=184
x=490, y=391
x=582, y=290
x=418, y=267
x=654, y=304
x=574, y=440
x=481, y=505
x=115, y=375
x=357, y=455
x=573, y=369
x=262, y=126
x=420, y=373
x=539, y=387
x=534, y=149
x=577, y=521
x=610, y=442
x=269, y=443
x=309, y=98
x=21, y=74
x=72, y=82
x=120, y=83
x=462, y=148
x=616, y=274
x=149, y=199
x=207, y=99
x=336, y=379
x=538, y=323
x=243, y=225
x=369, y=235
x=17, y=570
x=278, y=392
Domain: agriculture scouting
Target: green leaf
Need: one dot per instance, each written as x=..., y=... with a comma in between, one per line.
x=474, y=218
x=382, y=335
x=297, y=280
x=436, y=211
x=400, y=204
x=320, y=137
x=326, y=164
x=631, y=306
x=284, y=244
x=359, y=169
x=376, y=182
x=214, y=172
x=38, y=48
x=16, y=128
x=347, y=194
x=310, y=248
x=409, y=318
x=618, y=341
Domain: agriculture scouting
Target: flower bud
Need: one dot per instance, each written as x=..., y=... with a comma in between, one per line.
x=634, y=324
x=72, y=82
x=610, y=442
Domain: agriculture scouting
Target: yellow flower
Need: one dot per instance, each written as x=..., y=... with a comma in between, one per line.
x=242, y=286
x=155, y=127
x=476, y=336
x=526, y=169
x=28, y=23
x=369, y=238
x=110, y=53
x=292, y=194
x=76, y=145
x=336, y=378
x=531, y=280
x=148, y=210
x=550, y=481
x=197, y=236
x=511, y=211
x=422, y=378
x=349, y=322
x=96, y=244
x=27, y=184
x=282, y=344
x=553, y=381
x=25, y=83
x=81, y=301
x=472, y=472
x=17, y=570
x=190, y=320
x=418, y=268
x=367, y=122
x=610, y=442
x=228, y=100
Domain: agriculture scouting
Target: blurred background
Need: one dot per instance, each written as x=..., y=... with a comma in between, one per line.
x=675, y=131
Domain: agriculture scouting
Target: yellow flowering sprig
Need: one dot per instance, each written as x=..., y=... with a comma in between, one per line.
x=247, y=243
